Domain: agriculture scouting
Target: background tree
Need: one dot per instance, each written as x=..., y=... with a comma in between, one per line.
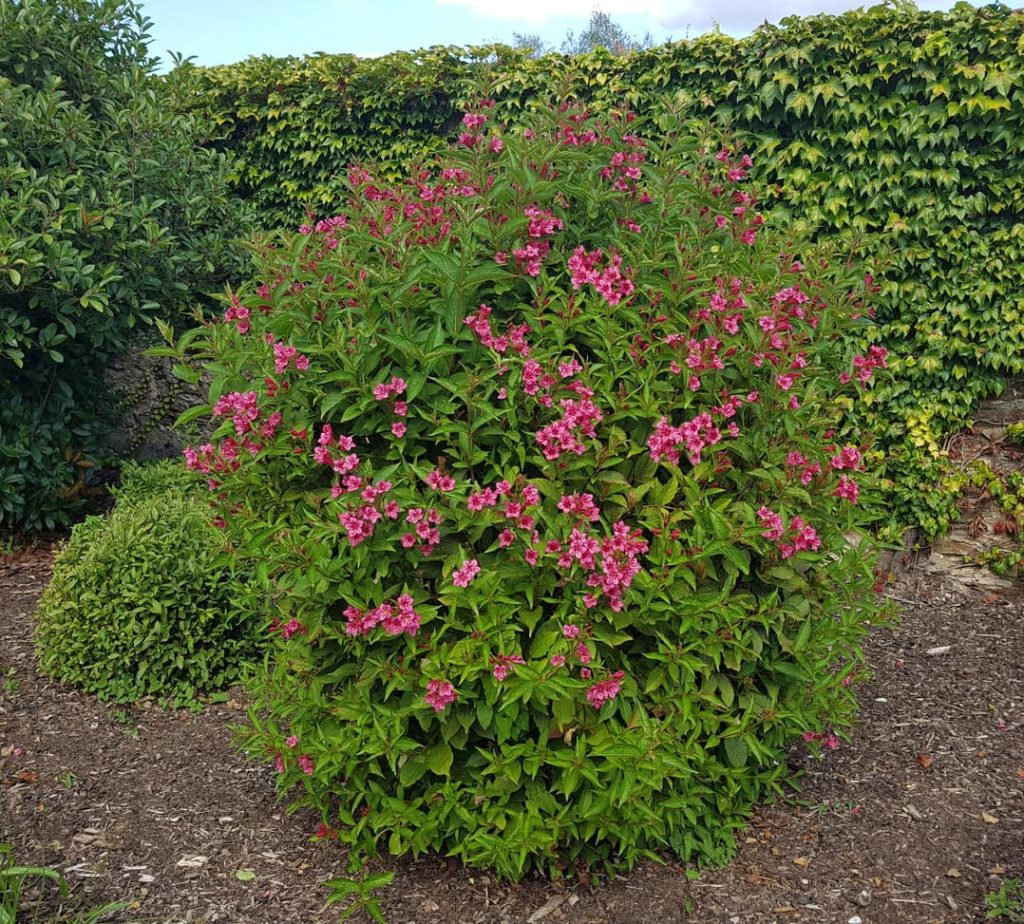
x=111, y=213
x=603, y=32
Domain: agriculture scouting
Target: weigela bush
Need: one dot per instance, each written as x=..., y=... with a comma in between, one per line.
x=534, y=454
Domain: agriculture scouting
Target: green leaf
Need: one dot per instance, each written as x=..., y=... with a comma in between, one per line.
x=439, y=759
x=736, y=752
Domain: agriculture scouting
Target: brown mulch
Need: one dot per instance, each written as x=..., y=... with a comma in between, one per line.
x=914, y=820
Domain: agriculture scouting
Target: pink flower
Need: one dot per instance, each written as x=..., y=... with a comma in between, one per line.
x=585, y=673
x=558, y=660
x=464, y=575
x=398, y=428
x=570, y=630
x=847, y=489
x=291, y=741
x=503, y=665
x=772, y=521
x=605, y=690
x=306, y=764
x=440, y=693
x=440, y=482
x=583, y=653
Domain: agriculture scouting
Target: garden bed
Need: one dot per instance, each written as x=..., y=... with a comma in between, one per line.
x=914, y=820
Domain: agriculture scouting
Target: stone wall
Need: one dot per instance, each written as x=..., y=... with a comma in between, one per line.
x=978, y=529
x=153, y=398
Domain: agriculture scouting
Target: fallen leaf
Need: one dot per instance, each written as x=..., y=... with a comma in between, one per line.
x=803, y=862
x=193, y=862
x=245, y=875
x=989, y=818
x=925, y=760
x=27, y=776
x=550, y=905
x=953, y=873
x=1020, y=773
x=995, y=870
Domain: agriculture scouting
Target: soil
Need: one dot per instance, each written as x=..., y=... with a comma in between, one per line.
x=914, y=820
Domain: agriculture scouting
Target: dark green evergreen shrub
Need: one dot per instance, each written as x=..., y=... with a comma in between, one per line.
x=111, y=213
x=145, y=602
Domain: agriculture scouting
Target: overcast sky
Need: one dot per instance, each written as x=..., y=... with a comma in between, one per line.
x=225, y=31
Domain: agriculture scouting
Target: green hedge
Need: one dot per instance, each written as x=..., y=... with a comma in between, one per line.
x=898, y=128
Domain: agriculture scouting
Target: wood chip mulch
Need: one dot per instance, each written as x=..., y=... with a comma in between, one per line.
x=913, y=821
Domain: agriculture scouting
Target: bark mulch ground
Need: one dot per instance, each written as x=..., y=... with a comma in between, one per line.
x=914, y=821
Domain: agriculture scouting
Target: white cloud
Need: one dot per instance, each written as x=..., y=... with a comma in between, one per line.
x=540, y=11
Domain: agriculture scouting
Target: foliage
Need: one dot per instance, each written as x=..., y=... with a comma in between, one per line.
x=533, y=454
x=1006, y=903
x=1006, y=491
x=110, y=213
x=12, y=883
x=1015, y=433
x=358, y=894
x=145, y=602
x=142, y=481
x=894, y=128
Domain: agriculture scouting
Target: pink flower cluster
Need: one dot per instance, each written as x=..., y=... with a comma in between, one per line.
x=828, y=740
x=220, y=459
x=799, y=535
x=242, y=406
x=624, y=171
x=384, y=390
x=702, y=355
x=514, y=337
x=612, y=562
x=324, y=453
x=865, y=365
x=463, y=575
x=440, y=481
x=440, y=693
x=238, y=313
x=473, y=123
x=605, y=690
x=285, y=355
x=848, y=457
x=530, y=257
x=504, y=664
x=427, y=535
x=726, y=306
x=847, y=489
x=610, y=282
x=807, y=470
x=395, y=618
x=579, y=506
x=578, y=419
x=696, y=435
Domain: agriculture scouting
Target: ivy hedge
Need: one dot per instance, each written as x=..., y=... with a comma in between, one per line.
x=899, y=129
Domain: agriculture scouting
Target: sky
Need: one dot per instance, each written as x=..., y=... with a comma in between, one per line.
x=226, y=31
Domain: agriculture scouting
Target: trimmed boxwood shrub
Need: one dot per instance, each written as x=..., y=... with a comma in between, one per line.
x=534, y=454
x=145, y=602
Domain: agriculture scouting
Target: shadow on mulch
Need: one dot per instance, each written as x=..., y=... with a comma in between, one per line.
x=913, y=821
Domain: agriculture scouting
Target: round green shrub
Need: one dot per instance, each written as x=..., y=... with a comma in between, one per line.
x=145, y=602
x=535, y=456
x=141, y=481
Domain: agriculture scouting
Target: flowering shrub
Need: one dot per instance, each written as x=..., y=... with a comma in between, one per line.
x=533, y=454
